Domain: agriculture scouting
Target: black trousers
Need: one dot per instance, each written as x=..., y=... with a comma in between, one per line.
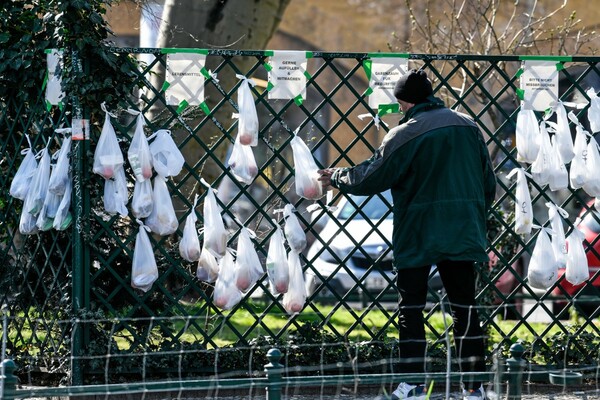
x=458, y=278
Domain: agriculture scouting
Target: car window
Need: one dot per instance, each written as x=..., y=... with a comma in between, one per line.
x=590, y=220
x=375, y=208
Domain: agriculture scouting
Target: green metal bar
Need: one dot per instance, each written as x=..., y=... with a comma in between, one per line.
x=8, y=380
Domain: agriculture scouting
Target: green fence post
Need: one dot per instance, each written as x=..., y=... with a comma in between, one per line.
x=273, y=370
x=515, y=371
x=499, y=373
x=8, y=380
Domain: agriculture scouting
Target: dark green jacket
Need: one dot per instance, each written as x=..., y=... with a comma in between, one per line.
x=442, y=182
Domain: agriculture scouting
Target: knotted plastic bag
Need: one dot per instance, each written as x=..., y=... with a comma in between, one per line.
x=594, y=110
x=139, y=155
x=293, y=231
x=247, y=117
x=541, y=167
x=166, y=157
x=116, y=194
x=577, y=172
x=162, y=220
x=215, y=235
x=562, y=137
x=278, y=269
x=592, y=172
x=577, y=270
x=46, y=215
x=543, y=269
x=242, y=162
x=308, y=185
x=63, y=217
x=208, y=267
x=142, y=201
x=144, y=271
x=39, y=185
x=559, y=243
x=27, y=223
x=523, y=208
x=559, y=177
x=527, y=136
x=108, y=157
x=247, y=264
x=226, y=294
x=294, y=299
x=189, y=245
x=60, y=174
x=22, y=179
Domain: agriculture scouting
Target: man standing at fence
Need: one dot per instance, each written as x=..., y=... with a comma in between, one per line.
x=442, y=182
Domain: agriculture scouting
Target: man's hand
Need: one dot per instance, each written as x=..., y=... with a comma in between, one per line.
x=325, y=177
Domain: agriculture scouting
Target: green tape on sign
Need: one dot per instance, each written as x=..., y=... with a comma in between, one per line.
x=545, y=58
x=268, y=67
x=520, y=72
x=368, y=92
x=367, y=65
x=384, y=109
x=48, y=105
x=307, y=75
x=560, y=66
x=165, y=86
x=182, y=106
x=270, y=86
x=205, y=73
x=61, y=106
x=269, y=53
x=189, y=50
x=298, y=100
x=309, y=54
x=521, y=94
x=204, y=108
x=45, y=81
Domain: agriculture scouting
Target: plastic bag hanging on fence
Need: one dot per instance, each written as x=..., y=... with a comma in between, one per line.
x=543, y=269
x=577, y=172
x=523, y=208
x=541, y=167
x=592, y=172
x=527, y=136
x=278, y=269
x=166, y=157
x=577, y=270
x=247, y=264
x=142, y=202
x=242, y=162
x=139, y=155
x=559, y=177
x=162, y=220
x=22, y=179
x=108, y=158
x=46, y=215
x=226, y=294
x=294, y=299
x=116, y=194
x=593, y=110
x=63, y=217
x=247, y=117
x=559, y=243
x=39, y=185
x=293, y=231
x=60, y=174
x=215, y=235
x=27, y=223
x=562, y=137
x=144, y=271
x=305, y=170
x=208, y=267
x=189, y=245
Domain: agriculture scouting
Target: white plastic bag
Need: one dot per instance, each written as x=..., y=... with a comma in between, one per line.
x=226, y=294
x=142, y=202
x=60, y=174
x=247, y=264
x=527, y=136
x=208, y=267
x=39, y=185
x=578, y=164
x=562, y=138
x=139, y=155
x=594, y=110
x=63, y=217
x=46, y=216
x=277, y=264
x=541, y=167
x=543, y=269
x=144, y=271
x=22, y=179
x=27, y=223
x=248, y=119
x=215, y=235
x=558, y=176
x=189, y=245
x=108, y=157
x=308, y=185
x=577, y=270
x=293, y=231
x=116, y=194
x=242, y=162
x=294, y=299
x=592, y=172
x=559, y=243
x=162, y=220
x=523, y=208
x=166, y=157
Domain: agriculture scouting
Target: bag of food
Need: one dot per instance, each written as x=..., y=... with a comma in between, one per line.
x=108, y=157
x=541, y=167
x=293, y=231
x=166, y=157
x=562, y=137
x=277, y=264
x=592, y=172
x=308, y=185
x=559, y=243
x=22, y=179
x=577, y=172
x=189, y=245
x=39, y=185
x=215, y=235
x=63, y=217
x=60, y=174
x=46, y=216
x=247, y=264
x=247, y=117
x=577, y=270
x=558, y=178
x=27, y=223
x=208, y=267
x=594, y=110
x=139, y=155
x=116, y=194
x=142, y=202
x=543, y=269
x=527, y=136
x=294, y=299
x=523, y=208
x=226, y=294
x=162, y=220
x=242, y=162
x=144, y=271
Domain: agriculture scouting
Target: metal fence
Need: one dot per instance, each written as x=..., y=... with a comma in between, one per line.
x=70, y=311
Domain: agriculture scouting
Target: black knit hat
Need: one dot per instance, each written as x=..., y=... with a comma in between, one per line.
x=413, y=87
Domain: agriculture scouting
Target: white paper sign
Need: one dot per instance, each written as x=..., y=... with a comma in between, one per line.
x=80, y=129
x=287, y=75
x=385, y=72
x=184, y=78
x=539, y=82
x=54, y=92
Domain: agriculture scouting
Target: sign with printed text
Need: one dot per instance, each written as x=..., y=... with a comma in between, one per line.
x=539, y=83
x=184, y=80
x=54, y=92
x=385, y=72
x=287, y=76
